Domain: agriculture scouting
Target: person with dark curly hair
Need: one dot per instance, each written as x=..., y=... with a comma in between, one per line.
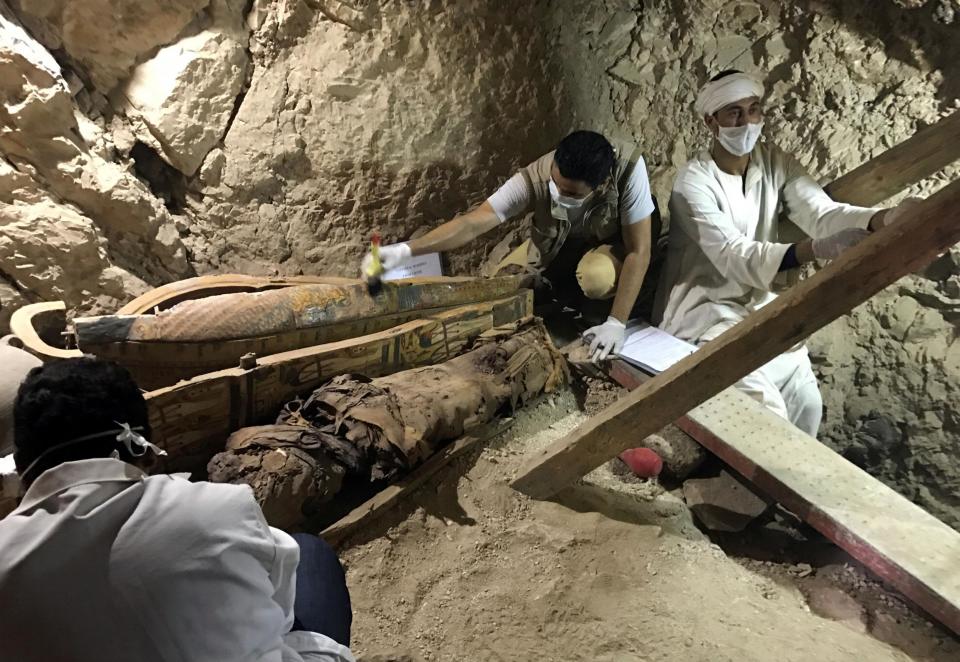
x=104, y=562
x=594, y=222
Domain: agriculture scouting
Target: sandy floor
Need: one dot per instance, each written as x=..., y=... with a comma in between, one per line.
x=614, y=570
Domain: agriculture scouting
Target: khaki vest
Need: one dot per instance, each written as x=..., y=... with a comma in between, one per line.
x=601, y=220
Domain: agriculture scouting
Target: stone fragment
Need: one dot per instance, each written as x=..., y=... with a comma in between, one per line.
x=212, y=169
x=945, y=11
x=899, y=316
x=829, y=601
x=186, y=94
x=681, y=455
x=227, y=16
x=723, y=503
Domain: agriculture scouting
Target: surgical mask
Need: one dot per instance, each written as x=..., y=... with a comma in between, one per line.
x=740, y=140
x=562, y=206
x=135, y=444
x=566, y=201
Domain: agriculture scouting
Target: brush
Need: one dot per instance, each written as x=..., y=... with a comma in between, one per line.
x=375, y=268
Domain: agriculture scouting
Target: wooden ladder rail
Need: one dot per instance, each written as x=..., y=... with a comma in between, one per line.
x=927, y=152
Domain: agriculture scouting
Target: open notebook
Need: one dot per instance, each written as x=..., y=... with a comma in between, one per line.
x=651, y=349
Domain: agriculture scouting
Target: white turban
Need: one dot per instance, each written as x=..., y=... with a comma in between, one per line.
x=729, y=89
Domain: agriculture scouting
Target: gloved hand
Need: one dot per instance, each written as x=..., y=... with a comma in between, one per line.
x=830, y=248
x=605, y=339
x=894, y=214
x=391, y=255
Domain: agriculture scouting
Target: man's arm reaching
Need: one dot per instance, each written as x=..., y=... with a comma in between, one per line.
x=457, y=232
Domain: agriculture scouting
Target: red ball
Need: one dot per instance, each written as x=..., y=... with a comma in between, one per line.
x=643, y=462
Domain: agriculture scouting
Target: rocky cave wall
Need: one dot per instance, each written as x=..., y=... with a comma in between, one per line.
x=146, y=141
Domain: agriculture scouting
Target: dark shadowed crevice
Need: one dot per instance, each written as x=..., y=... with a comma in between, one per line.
x=164, y=181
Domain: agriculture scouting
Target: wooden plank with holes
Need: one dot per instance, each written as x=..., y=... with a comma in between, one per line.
x=930, y=150
x=192, y=419
x=899, y=541
x=876, y=262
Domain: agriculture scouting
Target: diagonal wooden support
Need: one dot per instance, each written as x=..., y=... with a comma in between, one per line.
x=848, y=281
x=930, y=150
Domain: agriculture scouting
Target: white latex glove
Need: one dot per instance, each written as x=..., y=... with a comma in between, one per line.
x=894, y=214
x=391, y=255
x=605, y=339
x=830, y=248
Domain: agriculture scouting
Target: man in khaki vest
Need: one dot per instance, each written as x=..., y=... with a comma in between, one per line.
x=591, y=230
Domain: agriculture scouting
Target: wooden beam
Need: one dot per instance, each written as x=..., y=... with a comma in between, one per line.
x=930, y=150
x=193, y=419
x=896, y=539
x=876, y=262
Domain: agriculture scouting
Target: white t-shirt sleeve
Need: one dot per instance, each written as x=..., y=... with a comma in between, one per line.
x=511, y=199
x=636, y=202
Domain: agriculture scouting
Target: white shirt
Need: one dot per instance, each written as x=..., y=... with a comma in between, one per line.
x=723, y=251
x=101, y=562
x=636, y=202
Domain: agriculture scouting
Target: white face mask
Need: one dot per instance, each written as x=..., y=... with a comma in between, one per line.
x=740, y=140
x=566, y=201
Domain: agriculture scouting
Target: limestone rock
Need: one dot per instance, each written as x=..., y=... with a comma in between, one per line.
x=72, y=217
x=55, y=253
x=946, y=11
x=186, y=94
x=227, y=16
x=212, y=169
x=382, y=128
x=681, y=455
x=889, y=378
x=106, y=37
x=723, y=503
x=829, y=601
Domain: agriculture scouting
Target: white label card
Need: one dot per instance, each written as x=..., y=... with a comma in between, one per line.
x=418, y=265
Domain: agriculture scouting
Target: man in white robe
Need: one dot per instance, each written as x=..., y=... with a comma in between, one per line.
x=724, y=247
